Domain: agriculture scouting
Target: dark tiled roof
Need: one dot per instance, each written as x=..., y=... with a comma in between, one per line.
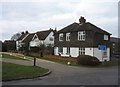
x=86, y=26
x=29, y=37
x=21, y=37
x=70, y=28
x=115, y=39
x=43, y=34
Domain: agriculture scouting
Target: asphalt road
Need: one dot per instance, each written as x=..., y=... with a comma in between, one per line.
x=68, y=75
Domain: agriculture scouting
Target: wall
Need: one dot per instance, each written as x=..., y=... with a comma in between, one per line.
x=56, y=51
x=35, y=42
x=18, y=44
x=74, y=52
x=17, y=48
x=47, y=40
x=89, y=51
x=99, y=54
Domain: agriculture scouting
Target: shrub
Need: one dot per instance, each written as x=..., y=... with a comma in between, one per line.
x=88, y=60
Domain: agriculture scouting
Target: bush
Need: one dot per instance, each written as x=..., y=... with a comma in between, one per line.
x=88, y=60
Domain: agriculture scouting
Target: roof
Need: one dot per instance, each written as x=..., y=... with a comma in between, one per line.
x=114, y=39
x=43, y=34
x=29, y=37
x=86, y=26
x=21, y=37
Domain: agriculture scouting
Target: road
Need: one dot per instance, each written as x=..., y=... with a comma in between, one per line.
x=68, y=75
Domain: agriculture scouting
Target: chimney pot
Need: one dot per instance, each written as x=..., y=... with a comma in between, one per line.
x=82, y=20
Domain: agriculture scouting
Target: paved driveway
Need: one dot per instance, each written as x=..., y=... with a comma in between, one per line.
x=69, y=75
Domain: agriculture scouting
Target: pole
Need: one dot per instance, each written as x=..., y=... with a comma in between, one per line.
x=34, y=61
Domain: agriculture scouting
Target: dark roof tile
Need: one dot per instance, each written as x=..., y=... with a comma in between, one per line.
x=86, y=26
x=21, y=37
x=29, y=37
x=43, y=34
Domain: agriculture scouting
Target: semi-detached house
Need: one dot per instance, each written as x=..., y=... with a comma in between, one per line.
x=82, y=38
x=35, y=39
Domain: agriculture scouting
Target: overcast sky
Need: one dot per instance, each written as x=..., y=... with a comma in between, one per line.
x=36, y=15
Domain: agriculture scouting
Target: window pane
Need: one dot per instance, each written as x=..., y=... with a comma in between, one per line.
x=81, y=35
x=61, y=37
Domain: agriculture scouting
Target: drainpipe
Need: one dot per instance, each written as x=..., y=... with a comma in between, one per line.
x=93, y=43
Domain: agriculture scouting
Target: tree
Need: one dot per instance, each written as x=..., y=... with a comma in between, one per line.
x=15, y=36
x=41, y=49
x=26, y=48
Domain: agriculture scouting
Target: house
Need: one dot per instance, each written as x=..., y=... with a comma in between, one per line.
x=82, y=38
x=0, y=46
x=9, y=45
x=43, y=37
x=115, y=48
x=19, y=41
x=27, y=40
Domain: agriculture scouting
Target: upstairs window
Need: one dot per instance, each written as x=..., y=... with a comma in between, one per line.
x=61, y=37
x=81, y=35
x=105, y=37
x=67, y=36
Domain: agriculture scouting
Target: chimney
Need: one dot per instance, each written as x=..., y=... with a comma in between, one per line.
x=82, y=20
x=55, y=28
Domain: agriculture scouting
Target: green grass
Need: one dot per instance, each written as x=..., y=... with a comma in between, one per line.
x=55, y=60
x=11, y=56
x=52, y=59
x=13, y=71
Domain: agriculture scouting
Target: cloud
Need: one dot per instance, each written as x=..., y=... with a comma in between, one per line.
x=35, y=15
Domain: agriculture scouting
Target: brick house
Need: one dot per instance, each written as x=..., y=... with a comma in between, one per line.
x=82, y=38
x=115, y=46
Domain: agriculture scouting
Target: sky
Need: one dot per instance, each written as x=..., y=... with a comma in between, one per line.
x=36, y=15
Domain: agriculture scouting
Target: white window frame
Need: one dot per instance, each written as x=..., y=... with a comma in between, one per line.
x=81, y=35
x=61, y=36
x=105, y=37
x=67, y=36
x=81, y=51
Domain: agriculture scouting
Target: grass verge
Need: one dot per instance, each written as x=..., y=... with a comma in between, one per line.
x=13, y=71
x=52, y=59
x=11, y=56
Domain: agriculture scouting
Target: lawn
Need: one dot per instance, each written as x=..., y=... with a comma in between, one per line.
x=13, y=71
x=55, y=60
x=11, y=56
x=51, y=59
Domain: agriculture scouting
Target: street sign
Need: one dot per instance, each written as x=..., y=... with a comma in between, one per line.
x=101, y=47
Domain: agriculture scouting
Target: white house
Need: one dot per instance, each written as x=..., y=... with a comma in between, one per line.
x=19, y=41
x=43, y=37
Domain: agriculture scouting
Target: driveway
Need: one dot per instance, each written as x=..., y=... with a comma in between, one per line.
x=68, y=75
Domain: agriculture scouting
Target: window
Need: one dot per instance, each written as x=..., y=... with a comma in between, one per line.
x=105, y=37
x=68, y=50
x=61, y=37
x=51, y=39
x=60, y=50
x=67, y=36
x=81, y=35
x=113, y=45
x=81, y=51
